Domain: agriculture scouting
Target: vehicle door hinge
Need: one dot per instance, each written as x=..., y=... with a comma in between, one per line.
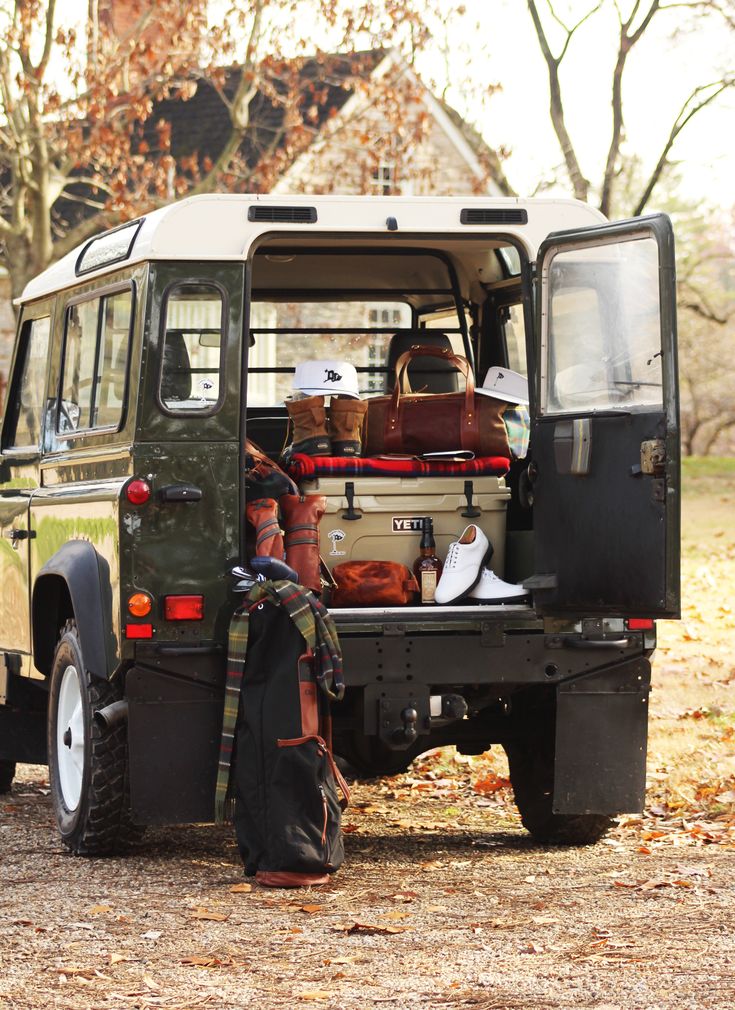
x=653, y=457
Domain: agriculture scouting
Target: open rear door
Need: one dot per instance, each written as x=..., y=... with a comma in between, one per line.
x=605, y=436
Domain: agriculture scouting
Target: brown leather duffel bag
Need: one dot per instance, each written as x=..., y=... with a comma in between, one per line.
x=407, y=422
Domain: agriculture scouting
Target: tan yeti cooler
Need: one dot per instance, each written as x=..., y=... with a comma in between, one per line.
x=390, y=510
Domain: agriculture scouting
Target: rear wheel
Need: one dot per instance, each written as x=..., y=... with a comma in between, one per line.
x=87, y=764
x=7, y=774
x=531, y=762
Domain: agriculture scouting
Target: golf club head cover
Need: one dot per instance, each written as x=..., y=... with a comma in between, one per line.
x=263, y=515
x=301, y=516
x=273, y=569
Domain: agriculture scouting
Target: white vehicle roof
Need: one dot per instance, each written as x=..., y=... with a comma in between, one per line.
x=217, y=227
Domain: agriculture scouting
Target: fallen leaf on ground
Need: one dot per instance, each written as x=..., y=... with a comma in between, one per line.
x=241, y=888
x=99, y=909
x=315, y=994
x=490, y=783
x=209, y=916
x=311, y=908
x=367, y=928
x=395, y=915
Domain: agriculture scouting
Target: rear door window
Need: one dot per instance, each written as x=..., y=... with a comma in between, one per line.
x=192, y=356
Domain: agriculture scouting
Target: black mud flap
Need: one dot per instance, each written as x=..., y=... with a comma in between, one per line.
x=174, y=729
x=601, y=737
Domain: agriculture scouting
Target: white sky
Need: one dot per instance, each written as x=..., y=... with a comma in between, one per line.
x=659, y=75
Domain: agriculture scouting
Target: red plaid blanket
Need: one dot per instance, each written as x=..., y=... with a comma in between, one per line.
x=307, y=468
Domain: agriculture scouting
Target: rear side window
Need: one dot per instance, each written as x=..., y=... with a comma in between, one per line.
x=25, y=414
x=192, y=353
x=95, y=363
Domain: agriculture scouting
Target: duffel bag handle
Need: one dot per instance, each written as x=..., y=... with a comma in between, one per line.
x=429, y=351
x=470, y=427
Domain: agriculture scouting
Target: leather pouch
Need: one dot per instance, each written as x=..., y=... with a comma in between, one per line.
x=373, y=584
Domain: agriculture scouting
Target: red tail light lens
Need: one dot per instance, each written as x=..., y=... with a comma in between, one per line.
x=138, y=492
x=139, y=631
x=183, y=608
x=640, y=624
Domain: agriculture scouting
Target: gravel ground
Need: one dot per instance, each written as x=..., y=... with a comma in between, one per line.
x=450, y=906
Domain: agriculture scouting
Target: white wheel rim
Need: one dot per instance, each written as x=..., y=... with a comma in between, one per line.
x=70, y=738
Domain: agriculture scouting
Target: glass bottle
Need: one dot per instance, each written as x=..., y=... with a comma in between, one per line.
x=427, y=567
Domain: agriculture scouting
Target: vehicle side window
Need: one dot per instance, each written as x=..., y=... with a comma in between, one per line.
x=95, y=363
x=24, y=426
x=192, y=349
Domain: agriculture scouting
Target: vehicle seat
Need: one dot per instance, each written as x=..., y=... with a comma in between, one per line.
x=176, y=368
x=431, y=375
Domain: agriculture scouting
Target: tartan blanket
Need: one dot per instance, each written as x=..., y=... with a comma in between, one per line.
x=302, y=467
x=317, y=628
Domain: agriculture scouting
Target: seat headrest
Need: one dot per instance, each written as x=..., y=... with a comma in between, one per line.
x=176, y=368
x=434, y=375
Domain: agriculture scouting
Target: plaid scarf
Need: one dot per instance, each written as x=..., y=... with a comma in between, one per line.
x=314, y=622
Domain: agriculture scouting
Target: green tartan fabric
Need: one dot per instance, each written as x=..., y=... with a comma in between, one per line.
x=315, y=623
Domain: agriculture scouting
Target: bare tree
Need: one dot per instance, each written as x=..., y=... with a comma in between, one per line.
x=632, y=27
x=87, y=127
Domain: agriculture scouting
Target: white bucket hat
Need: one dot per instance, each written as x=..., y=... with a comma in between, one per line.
x=324, y=378
x=504, y=384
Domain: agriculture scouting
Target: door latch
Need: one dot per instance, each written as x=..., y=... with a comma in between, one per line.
x=15, y=535
x=653, y=457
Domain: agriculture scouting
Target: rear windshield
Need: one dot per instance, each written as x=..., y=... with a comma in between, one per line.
x=355, y=306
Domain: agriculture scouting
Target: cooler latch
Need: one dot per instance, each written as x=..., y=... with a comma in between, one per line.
x=350, y=496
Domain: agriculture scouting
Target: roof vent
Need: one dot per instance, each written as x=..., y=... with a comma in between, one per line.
x=282, y=215
x=493, y=215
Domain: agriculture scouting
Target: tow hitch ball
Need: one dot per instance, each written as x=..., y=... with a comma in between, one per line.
x=410, y=718
x=401, y=720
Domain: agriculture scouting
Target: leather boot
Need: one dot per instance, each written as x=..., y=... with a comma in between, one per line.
x=301, y=515
x=309, y=426
x=346, y=417
x=263, y=515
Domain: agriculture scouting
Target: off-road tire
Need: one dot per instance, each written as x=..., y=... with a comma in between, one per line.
x=100, y=823
x=531, y=764
x=7, y=774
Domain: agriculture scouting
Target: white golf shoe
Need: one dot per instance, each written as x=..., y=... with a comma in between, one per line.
x=464, y=563
x=491, y=589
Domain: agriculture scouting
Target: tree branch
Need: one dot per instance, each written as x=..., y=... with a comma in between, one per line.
x=689, y=109
x=580, y=185
x=625, y=44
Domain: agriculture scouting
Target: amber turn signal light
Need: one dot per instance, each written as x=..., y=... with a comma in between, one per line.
x=139, y=604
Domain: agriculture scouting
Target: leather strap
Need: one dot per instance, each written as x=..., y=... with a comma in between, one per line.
x=469, y=422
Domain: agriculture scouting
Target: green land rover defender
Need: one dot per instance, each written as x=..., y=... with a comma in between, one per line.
x=146, y=357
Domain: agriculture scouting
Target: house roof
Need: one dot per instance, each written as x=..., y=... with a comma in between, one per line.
x=323, y=85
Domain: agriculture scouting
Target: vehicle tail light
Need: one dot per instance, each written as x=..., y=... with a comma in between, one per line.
x=183, y=608
x=640, y=624
x=139, y=631
x=138, y=492
x=139, y=604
